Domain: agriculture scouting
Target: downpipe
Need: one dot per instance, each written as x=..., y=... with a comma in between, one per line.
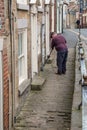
x=11, y=58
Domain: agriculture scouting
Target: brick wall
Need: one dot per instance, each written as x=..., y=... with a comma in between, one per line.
x=2, y=20
x=6, y=89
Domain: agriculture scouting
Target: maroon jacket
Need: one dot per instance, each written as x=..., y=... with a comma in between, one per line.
x=59, y=42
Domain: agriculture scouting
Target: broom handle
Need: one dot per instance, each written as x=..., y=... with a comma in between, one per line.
x=51, y=51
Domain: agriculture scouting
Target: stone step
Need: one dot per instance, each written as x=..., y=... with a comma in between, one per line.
x=37, y=83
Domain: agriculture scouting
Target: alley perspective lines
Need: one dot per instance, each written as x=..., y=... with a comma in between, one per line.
x=50, y=108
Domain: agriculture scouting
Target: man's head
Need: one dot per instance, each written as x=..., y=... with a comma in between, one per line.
x=53, y=34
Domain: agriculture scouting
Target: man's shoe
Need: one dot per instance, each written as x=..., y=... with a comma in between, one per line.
x=63, y=72
x=58, y=73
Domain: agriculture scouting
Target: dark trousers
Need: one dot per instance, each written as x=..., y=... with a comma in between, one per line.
x=61, y=61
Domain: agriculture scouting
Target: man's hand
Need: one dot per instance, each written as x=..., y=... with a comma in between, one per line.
x=48, y=56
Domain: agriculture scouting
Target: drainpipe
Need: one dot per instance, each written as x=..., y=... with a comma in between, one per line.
x=1, y=85
x=43, y=41
x=11, y=92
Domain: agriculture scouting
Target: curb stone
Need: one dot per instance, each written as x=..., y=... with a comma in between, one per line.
x=76, y=117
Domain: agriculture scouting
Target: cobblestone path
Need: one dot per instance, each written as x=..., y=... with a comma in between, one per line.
x=50, y=108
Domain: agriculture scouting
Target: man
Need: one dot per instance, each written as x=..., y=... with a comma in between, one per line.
x=59, y=43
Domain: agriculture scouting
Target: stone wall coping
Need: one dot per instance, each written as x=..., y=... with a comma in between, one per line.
x=23, y=7
x=1, y=44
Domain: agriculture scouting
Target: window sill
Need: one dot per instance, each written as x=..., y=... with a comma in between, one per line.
x=41, y=10
x=23, y=86
x=22, y=7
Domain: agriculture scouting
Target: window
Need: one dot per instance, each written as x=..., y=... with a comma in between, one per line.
x=22, y=56
x=22, y=1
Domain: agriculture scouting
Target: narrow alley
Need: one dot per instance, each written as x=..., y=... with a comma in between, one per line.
x=50, y=108
x=34, y=95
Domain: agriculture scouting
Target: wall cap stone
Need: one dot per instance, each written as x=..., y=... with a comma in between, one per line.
x=23, y=7
x=1, y=44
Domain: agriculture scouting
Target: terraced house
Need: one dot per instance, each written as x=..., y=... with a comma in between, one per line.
x=24, y=45
x=76, y=10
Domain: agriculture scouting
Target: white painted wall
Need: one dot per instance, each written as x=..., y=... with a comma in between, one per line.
x=32, y=1
x=43, y=39
x=52, y=16
x=1, y=86
x=47, y=1
x=34, y=46
x=47, y=30
x=61, y=18
x=58, y=17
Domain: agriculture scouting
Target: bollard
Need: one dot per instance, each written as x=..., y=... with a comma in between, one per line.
x=85, y=80
x=82, y=56
x=79, y=106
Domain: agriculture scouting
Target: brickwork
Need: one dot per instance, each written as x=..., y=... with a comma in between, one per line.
x=72, y=21
x=3, y=24
x=6, y=89
x=2, y=20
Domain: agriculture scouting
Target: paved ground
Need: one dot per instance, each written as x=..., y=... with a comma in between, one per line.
x=50, y=108
x=83, y=31
x=76, y=117
x=71, y=37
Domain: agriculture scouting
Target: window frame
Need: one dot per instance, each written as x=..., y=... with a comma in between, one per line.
x=24, y=2
x=22, y=57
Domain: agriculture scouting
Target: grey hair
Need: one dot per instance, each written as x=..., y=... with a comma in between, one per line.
x=52, y=33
